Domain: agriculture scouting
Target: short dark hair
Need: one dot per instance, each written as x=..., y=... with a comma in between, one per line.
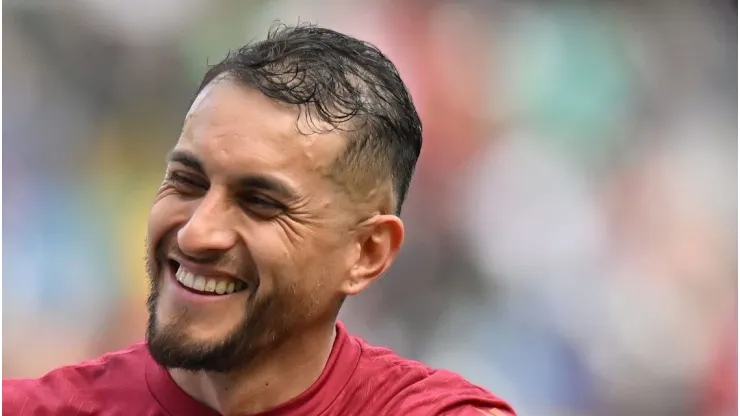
x=348, y=84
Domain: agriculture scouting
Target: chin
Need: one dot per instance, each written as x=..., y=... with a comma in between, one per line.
x=177, y=344
x=195, y=326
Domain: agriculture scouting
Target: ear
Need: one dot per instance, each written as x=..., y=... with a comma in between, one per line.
x=379, y=240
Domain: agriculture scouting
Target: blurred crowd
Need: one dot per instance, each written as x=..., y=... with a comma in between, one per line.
x=571, y=230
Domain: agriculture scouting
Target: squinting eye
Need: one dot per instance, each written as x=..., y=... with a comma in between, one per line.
x=186, y=184
x=258, y=203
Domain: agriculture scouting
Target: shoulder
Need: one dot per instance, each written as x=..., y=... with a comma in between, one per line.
x=81, y=386
x=405, y=387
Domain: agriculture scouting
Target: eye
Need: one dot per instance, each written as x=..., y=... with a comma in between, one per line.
x=260, y=204
x=187, y=184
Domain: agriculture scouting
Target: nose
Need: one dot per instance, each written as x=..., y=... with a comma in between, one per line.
x=210, y=228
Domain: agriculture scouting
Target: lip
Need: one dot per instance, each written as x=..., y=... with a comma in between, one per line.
x=172, y=285
x=204, y=271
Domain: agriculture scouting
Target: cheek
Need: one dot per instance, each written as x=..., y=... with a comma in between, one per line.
x=273, y=260
x=164, y=217
x=309, y=262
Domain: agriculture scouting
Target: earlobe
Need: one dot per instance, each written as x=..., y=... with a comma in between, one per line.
x=379, y=244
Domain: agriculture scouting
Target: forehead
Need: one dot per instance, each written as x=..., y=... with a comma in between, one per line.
x=234, y=128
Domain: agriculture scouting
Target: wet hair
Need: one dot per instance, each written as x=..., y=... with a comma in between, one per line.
x=345, y=84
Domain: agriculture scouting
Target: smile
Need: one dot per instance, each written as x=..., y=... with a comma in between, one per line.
x=202, y=285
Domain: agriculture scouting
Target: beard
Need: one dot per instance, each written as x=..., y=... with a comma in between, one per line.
x=267, y=321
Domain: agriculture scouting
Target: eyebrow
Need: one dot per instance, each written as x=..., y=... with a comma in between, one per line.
x=186, y=159
x=244, y=182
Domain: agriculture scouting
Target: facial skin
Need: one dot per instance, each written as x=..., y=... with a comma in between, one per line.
x=246, y=196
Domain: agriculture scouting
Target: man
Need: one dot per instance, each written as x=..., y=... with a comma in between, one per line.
x=280, y=199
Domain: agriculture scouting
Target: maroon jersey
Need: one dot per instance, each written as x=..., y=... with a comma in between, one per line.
x=358, y=380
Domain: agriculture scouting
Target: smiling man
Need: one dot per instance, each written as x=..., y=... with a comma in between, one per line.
x=280, y=199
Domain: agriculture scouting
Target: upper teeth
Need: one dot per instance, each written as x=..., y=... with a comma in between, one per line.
x=207, y=284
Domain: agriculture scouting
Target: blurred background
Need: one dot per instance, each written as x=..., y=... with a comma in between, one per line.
x=572, y=227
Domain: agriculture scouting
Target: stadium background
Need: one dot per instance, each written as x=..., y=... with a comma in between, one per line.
x=572, y=226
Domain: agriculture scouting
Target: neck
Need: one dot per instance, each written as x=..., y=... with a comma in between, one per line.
x=281, y=375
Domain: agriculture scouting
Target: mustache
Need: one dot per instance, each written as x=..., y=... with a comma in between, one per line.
x=168, y=249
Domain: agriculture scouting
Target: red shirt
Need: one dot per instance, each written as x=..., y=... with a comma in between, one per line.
x=358, y=380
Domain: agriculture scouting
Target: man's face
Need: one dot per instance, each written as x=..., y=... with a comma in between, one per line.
x=247, y=241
